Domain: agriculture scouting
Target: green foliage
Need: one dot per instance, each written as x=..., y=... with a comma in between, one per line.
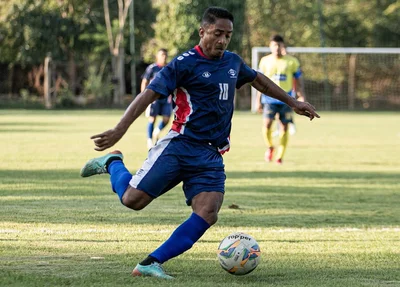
x=353, y=23
x=144, y=17
x=35, y=29
x=74, y=31
x=97, y=86
x=66, y=99
x=177, y=24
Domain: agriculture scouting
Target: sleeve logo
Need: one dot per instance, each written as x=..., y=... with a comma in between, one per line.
x=232, y=73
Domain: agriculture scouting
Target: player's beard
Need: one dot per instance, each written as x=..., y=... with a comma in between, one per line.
x=219, y=51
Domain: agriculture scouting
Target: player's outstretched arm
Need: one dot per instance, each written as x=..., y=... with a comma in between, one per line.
x=268, y=87
x=136, y=108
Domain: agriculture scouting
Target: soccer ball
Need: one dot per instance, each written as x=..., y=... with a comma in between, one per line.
x=239, y=253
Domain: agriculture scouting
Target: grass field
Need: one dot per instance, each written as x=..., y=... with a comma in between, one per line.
x=329, y=216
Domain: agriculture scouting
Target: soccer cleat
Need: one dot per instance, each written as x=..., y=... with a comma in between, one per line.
x=99, y=165
x=269, y=154
x=154, y=270
x=279, y=161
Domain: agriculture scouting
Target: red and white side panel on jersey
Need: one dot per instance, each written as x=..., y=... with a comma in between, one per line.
x=183, y=110
x=226, y=148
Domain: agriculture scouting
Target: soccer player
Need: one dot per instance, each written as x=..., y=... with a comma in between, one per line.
x=203, y=81
x=160, y=107
x=284, y=70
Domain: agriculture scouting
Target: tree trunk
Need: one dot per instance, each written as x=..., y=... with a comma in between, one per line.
x=119, y=78
x=10, y=80
x=121, y=75
x=47, y=83
x=72, y=72
x=114, y=79
x=37, y=73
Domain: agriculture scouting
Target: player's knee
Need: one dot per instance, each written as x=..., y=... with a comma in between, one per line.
x=210, y=216
x=133, y=205
x=135, y=201
x=213, y=219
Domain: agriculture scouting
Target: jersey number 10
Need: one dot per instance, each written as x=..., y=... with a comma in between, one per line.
x=223, y=93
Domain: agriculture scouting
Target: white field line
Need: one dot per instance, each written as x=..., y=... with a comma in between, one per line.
x=167, y=230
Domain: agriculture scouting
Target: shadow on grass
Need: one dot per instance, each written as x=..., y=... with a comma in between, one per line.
x=61, y=196
x=32, y=127
x=313, y=174
x=157, y=241
x=203, y=270
x=34, y=124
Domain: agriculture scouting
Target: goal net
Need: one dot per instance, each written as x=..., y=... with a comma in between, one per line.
x=345, y=78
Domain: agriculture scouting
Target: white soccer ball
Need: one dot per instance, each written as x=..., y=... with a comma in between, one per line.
x=239, y=253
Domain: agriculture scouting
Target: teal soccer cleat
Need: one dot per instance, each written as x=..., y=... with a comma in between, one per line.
x=99, y=165
x=154, y=270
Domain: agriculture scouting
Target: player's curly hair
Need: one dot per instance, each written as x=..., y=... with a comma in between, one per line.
x=213, y=13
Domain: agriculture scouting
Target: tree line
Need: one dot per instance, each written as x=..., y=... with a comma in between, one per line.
x=89, y=41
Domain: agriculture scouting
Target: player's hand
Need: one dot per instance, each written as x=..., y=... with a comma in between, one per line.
x=107, y=139
x=306, y=109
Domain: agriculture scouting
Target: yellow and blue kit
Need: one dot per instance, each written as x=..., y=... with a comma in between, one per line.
x=281, y=71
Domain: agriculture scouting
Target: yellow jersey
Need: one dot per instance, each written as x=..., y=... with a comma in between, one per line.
x=281, y=71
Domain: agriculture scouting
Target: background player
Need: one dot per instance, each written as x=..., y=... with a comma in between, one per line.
x=160, y=107
x=203, y=81
x=282, y=70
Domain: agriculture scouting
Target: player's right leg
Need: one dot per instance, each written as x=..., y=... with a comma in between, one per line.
x=158, y=174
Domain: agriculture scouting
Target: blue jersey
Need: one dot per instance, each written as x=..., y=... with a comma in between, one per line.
x=204, y=91
x=150, y=74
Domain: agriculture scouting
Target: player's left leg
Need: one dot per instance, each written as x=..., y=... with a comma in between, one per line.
x=283, y=142
x=205, y=213
x=285, y=117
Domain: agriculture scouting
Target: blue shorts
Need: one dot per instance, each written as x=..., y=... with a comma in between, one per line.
x=285, y=112
x=161, y=108
x=177, y=158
